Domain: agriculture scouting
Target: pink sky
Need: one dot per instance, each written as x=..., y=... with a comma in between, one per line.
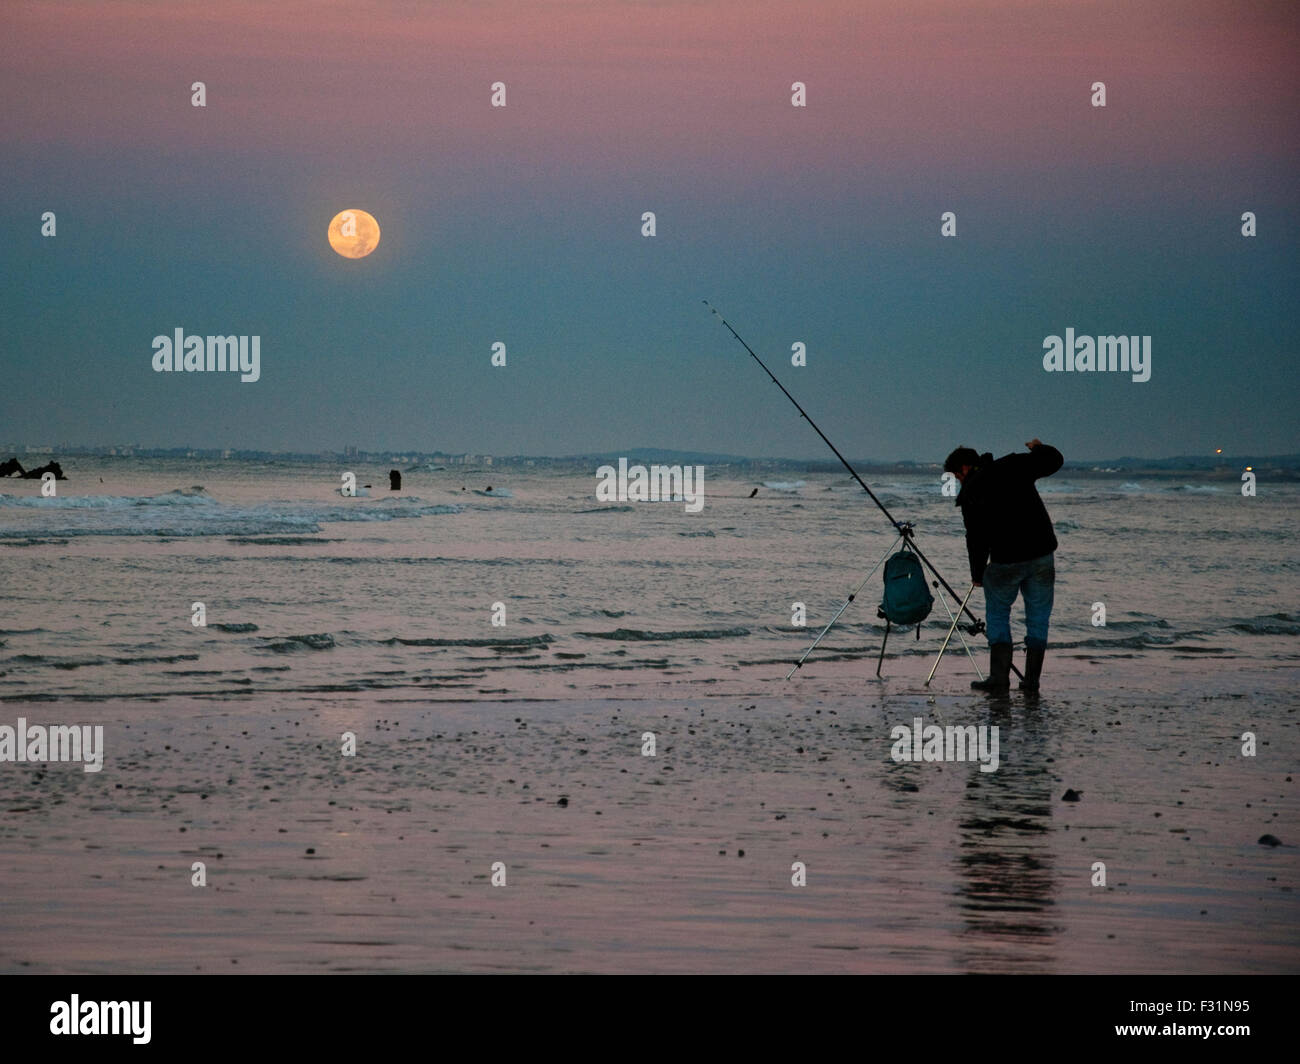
x=613, y=86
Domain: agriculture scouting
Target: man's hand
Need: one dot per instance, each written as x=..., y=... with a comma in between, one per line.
x=1035, y=442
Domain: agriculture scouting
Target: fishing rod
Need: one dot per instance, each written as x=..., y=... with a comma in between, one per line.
x=904, y=527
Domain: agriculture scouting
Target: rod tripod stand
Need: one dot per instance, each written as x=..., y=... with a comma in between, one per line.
x=852, y=595
x=904, y=538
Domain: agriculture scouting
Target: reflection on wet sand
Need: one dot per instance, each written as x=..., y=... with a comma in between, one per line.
x=1005, y=876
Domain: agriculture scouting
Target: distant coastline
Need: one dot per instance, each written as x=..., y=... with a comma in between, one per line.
x=1214, y=467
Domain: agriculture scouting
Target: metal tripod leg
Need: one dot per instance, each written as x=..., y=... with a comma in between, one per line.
x=955, y=618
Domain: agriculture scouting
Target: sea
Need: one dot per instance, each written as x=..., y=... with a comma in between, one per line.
x=449, y=729
x=536, y=590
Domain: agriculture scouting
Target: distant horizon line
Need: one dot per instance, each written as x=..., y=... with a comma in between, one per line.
x=51, y=452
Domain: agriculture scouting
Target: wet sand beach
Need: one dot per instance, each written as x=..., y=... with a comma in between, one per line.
x=521, y=743
x=681, y=862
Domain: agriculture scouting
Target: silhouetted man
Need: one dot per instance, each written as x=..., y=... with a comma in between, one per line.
x=1010, y=540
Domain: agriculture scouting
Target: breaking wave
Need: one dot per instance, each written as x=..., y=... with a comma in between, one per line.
x=291, y=643
x=637, y=635
x=518, y=641
x=188, y=512
x=1269, y=624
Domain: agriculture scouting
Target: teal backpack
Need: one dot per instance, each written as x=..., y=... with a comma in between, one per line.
x=907, y=598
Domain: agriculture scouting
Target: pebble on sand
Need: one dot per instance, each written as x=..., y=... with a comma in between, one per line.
x=1269, y=840
x=1071, y=795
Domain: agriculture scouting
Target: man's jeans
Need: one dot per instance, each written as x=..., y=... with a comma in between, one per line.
x=1035, y=580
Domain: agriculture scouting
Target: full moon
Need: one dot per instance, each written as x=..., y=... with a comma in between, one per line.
x=353, y=233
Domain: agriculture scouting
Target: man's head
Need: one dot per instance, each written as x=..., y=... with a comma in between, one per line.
x=961, y=462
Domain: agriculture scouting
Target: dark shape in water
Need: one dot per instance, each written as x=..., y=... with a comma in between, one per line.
x=1071, y=795
x=394, y=480
x=40, y=471
x=12, y=466
x=1270, y=840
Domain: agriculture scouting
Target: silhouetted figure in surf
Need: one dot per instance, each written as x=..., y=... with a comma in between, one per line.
x=753, y=493
x=10, y=467
x=1011, y=544
x=394, y=480
x=40, y=471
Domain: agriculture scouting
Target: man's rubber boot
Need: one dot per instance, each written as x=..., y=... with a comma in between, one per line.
x=999, y=681
x=1033, y=669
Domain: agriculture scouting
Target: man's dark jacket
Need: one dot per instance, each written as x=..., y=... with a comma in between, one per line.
x=1005, y=519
